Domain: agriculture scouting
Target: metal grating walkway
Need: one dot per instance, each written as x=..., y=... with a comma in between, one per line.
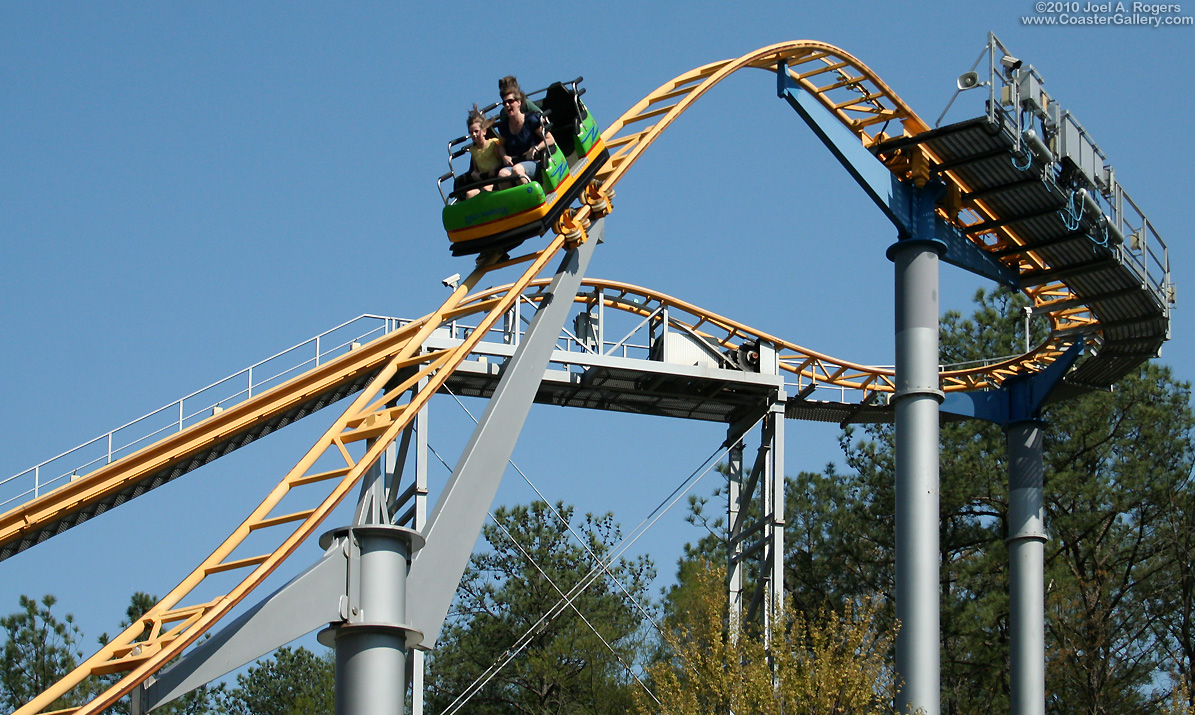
x=1130, y=305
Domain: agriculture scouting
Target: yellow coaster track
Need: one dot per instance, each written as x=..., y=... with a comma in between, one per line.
x=376, y=416
x=866, y=106
x=811, y=368
x=386, y=370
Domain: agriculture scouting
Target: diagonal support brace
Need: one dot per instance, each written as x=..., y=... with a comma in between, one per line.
x=461, y=510
x=1019, y=398
x=897, y=199
x=322, y=593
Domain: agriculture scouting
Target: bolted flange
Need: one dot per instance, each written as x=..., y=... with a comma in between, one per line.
x=572, y=229
x=598, y=199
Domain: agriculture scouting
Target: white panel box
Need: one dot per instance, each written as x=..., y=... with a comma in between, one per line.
x=680, y=348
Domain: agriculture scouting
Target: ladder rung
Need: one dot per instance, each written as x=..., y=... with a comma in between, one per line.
x=628, y=139
x=648, y=114
x=671, y=94
x=128, y=661
x=859, y=100
x=811, y=57
x=239, y=563
x=322, y=476
x=183, y=612
x=885, y=117
x=284, y=519
x=844, y=83
x=117, y=666
x=367, y=432
x=821, y=70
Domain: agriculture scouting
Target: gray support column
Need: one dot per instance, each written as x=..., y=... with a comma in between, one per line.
x=774, y=510
x=371, y=647
x=421, y=427
x=456, y=521
x=734, y=520
x=917, y=399
x=1026, y=554
x=377, y=482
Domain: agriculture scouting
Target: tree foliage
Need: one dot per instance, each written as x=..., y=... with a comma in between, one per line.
x=823, y=662
x=1115, y=461
x=576, y=662
x=38, y=650
x=1120, y=572
x=1119, y=506
x=290, y=682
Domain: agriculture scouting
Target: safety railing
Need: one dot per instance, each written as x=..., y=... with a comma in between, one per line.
x=186, y=411
x=1017, y=102
x=613, y=325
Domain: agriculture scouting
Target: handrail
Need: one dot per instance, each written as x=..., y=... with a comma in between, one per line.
x=110, y=446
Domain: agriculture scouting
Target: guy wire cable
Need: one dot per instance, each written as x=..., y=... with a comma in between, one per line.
x=557, y=589
x=560, y=518
x=663, y=507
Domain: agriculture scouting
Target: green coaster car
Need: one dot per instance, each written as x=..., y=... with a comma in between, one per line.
x=505, y=216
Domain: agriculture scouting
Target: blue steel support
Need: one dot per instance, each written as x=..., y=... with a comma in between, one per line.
x=896, y=199
x=1016, y=407
x=924, y=238
x=1019, y=398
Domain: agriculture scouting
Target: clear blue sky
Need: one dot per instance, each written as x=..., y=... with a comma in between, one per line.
x=189, y=187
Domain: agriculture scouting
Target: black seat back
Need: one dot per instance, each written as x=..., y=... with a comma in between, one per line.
x=561, y=106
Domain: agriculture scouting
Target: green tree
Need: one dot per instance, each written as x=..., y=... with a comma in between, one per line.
x=824, y=662
x=573, y=660
x=1112, y=460
x=38, y=650
x=1172, y=600
x=204, y=699
x=1118, y=463
x=290, y=682
x=1119, y=501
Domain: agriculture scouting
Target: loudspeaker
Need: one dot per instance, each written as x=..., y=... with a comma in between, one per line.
x=967, y=80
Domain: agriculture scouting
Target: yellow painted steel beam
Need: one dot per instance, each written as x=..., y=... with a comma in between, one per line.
x=28, y=519
x=810, y=365
x=146, y=646
x=866, y=106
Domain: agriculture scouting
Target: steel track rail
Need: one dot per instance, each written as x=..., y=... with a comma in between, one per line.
x=320, y=480
x=865, y=105
x=813, y=367
x=29, y=524
x=843, y=85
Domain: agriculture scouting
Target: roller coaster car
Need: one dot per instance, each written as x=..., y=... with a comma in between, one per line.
x=505, y=216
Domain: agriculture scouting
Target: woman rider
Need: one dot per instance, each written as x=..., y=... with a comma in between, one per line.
x=486, y=151
x=523, y=134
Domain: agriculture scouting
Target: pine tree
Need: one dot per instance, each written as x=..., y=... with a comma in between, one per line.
x=38, y=650
x=1119, y=500
x=574, y=661
x=290, y=682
